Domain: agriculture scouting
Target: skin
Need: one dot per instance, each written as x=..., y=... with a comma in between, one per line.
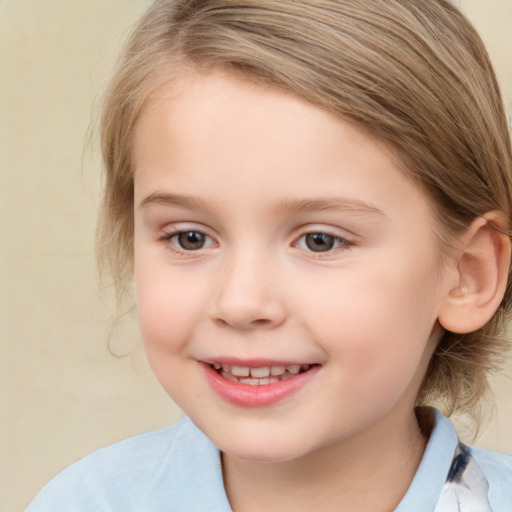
x=257, y=166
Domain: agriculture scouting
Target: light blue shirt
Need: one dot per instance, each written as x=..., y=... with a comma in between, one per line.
x=178, y=469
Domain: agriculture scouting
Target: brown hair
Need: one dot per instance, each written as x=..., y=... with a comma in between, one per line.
x=414, y=73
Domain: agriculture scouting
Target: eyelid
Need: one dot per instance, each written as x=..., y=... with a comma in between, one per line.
x=184, y=227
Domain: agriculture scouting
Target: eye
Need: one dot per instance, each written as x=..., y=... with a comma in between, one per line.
x=189, y=240
x=321, y=242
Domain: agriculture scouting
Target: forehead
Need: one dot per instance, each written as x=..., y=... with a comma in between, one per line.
x=219, y=134
x=208, y=105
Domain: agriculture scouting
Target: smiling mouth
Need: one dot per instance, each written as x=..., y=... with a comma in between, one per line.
x=262, y=384
x=260, y=376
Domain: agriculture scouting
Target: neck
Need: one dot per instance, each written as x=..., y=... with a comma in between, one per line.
x=370, y=471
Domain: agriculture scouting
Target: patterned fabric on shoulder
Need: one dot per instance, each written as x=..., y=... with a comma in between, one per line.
x=466, y=486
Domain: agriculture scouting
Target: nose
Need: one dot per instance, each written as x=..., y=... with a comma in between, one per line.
x=248, y=295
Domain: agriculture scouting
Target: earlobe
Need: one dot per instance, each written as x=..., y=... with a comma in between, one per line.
x=483, y=264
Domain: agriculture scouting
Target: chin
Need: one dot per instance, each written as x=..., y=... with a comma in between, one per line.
x=261, y=449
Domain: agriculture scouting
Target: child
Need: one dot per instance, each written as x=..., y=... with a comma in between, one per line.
x=314, y=198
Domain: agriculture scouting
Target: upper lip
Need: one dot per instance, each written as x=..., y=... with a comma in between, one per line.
x=254, y=362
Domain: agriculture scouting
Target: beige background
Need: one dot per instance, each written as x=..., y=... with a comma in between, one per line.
x=62, y=392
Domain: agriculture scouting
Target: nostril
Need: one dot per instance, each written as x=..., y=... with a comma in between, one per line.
x=261, y=322
x=252, y=324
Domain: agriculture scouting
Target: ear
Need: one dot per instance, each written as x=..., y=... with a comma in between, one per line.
x=482, y=269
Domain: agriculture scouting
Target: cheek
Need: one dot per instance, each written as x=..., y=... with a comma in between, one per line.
x=378, y=325
x=167, y=307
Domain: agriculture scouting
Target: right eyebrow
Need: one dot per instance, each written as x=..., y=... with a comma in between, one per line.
x=181, y=201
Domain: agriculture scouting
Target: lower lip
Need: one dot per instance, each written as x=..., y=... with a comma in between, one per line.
x=246, y=395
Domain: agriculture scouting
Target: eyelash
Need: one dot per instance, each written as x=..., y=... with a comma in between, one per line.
x=337, y=243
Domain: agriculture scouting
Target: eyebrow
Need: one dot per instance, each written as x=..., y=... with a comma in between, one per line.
x=329, y=204
x=291, y=206
x=181, y=201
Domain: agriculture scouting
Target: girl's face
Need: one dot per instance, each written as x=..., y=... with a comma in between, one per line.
x=288, y=281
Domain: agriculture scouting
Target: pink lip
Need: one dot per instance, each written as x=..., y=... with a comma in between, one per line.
x=251, y=363
x=246, y=395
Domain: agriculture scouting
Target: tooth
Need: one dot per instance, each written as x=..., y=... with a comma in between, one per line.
x=294, y=368
x=264, y=381
x=217, y=366
x=287, y=376
x=226, y=368
x=240, y=371
x=277, y=370
x=229, y=376
x=272, y=380
x=252, y=382
x=260, y=373
x=306, y=367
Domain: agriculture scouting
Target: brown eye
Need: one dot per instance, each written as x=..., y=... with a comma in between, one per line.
x=191, y=240
x=319, y=242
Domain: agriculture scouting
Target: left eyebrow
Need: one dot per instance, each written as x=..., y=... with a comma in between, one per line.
x=329, y=203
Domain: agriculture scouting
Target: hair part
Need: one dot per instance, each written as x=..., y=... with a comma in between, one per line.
x=413, y=73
